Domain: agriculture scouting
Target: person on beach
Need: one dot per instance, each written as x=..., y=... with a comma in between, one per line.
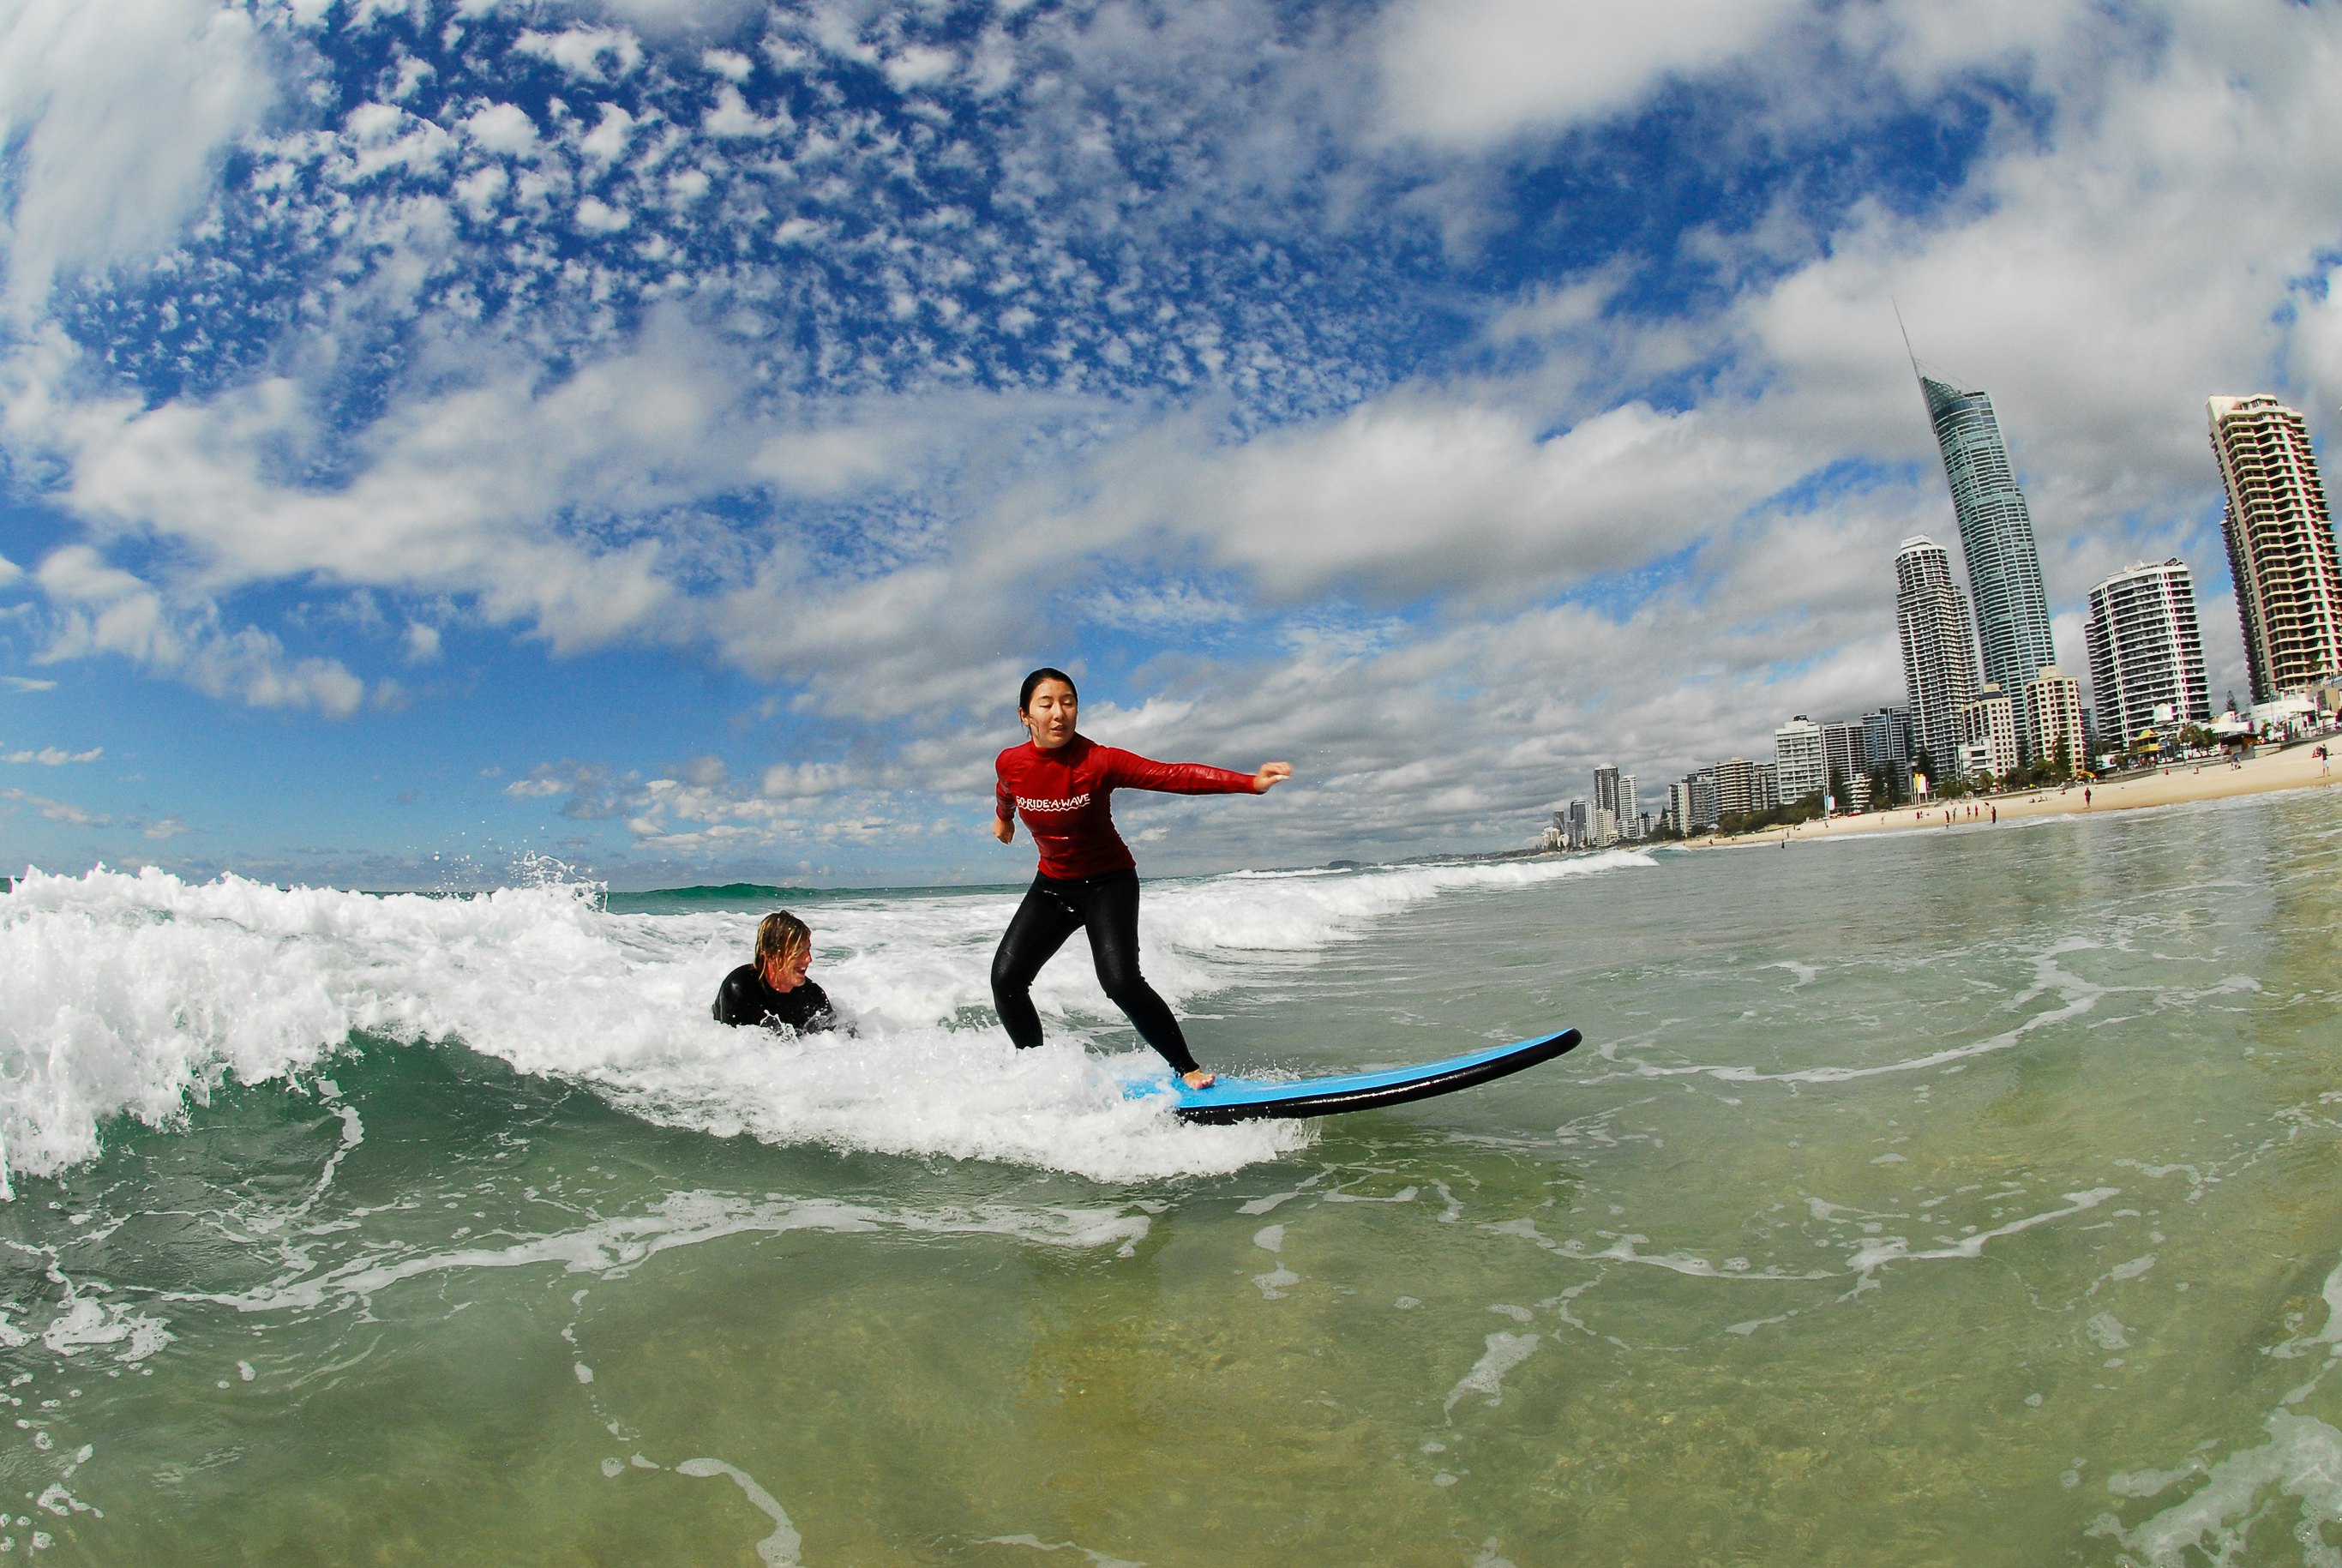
x=771, y=989
x=1058, y=781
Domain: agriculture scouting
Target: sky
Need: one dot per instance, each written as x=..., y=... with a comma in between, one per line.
x=657, y=435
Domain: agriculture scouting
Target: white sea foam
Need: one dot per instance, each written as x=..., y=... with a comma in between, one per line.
x=137, y=994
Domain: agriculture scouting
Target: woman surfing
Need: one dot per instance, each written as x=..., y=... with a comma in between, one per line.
x=1058, y=781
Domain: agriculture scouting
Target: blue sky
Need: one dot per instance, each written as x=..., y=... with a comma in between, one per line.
x=657, y=434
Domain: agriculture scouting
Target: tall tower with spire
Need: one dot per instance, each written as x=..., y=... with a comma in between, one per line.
x=2012, y=609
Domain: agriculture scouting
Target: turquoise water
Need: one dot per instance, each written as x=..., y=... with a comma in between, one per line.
x=1959, y=1197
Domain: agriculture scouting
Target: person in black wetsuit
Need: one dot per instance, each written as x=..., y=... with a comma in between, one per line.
x=773, y=990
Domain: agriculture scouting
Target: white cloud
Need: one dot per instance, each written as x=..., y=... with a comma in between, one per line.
x=57, y=810
x=732, y=119
x=384, y=136
x=480, y=191
x=27, y=683
x=163, y=827
x=101, y=609
x=729, y=63
x=503, y=128
x=597, y=216
x=919, y=66
x=53, y=757
x=606, y=142
x=125, y=112
x=1466, y=73
x=579, y=51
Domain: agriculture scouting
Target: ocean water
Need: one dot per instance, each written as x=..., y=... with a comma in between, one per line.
x=1964, y=1196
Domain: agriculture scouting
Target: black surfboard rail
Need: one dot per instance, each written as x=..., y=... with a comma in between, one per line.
x=1336, y=1099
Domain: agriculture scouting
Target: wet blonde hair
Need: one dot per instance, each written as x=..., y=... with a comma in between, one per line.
x=782, y=935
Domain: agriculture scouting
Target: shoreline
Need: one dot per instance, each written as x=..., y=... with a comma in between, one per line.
x=2292, y=768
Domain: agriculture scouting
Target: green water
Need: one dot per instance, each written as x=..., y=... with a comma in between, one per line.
x=1960, y=1197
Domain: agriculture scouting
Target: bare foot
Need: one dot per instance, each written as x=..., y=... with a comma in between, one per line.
x=1199, y=1079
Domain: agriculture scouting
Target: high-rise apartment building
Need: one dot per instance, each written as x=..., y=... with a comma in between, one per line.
x=1841, y=759
x=2053, y=717
x=2146, y=650
x=1939, y=668
x=1605, y=789
x=1742, y=785
x=1704, y=812
x=1678, y=818
x=2280, y=546
x=1887, y=743
x=1799, y=763
x=2012, y=609
x=1630, y=814
x=1988, y=734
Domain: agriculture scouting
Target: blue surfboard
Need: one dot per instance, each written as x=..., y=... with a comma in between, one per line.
x=1231, y=1099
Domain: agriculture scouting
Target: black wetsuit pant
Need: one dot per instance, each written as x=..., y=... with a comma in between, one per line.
x=1053, y=909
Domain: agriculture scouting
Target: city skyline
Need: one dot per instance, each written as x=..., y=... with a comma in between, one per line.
x=658, y=434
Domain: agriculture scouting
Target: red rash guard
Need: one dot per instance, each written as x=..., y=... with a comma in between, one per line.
x=1061, y=795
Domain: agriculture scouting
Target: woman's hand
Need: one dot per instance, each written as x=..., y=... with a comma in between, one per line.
x=1005, y=831
x=1271, y=775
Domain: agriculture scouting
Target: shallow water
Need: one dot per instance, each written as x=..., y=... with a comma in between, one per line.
x=1957, y=1196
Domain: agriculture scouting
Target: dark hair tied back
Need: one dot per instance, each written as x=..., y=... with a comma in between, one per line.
x=1025, y=691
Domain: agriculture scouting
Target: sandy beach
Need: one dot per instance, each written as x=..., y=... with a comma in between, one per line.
x=2292, y=768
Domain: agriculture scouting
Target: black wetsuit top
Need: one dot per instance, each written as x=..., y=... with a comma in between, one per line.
x=746, y=999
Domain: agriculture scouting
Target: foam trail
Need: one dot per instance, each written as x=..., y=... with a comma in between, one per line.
x=139, y=994
x=778, y=1550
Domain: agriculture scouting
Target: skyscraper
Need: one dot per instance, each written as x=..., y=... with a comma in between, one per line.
x=2280, y=544
x=2012, y=610
x=1940, y=669
x=1605, y=790
x=2146, y=650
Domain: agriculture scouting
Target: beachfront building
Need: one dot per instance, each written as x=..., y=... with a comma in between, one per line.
x=1887, y=747
x=2146, y=651
x=1799, y=764
x=2053, y=717
x=2012, y=609
x=1630, y=813
x=1939, y=667
x=1683, y=804
x=1605, y=790
x=1702, y=798
x=1742, y=785
x=1843, y=760
x=1988, y=734
x=1577, y=821
x=2281, y=549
